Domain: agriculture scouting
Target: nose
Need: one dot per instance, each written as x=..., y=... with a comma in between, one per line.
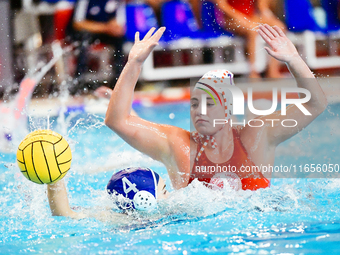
x=197, y=111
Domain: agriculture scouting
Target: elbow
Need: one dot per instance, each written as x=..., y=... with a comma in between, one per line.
x=323, y=104
x=113, y=123
x=110, y=123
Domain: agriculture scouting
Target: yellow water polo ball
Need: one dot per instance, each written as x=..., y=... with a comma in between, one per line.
x=44, y=156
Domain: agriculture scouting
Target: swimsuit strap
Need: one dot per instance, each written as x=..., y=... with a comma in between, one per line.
x=203, y=139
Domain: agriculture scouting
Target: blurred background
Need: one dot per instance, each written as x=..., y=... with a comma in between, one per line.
x=67, y=55
x=90, y=40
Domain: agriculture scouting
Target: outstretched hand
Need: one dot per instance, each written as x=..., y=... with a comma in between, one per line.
x=280, y=47
x=142, y=48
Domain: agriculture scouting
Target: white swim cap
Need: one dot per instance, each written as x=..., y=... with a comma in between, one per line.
x=218, y=81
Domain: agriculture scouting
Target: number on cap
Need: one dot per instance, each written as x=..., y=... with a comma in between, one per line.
x=131, y=186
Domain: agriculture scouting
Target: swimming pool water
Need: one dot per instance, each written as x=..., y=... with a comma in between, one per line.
x=294, y=216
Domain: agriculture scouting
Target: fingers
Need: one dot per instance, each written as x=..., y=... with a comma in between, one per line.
x=264, y=36
x=267, y=32
x=137, y=37
x=272, y=30
x=279, y=31
x=148, y=35
x=158, y=34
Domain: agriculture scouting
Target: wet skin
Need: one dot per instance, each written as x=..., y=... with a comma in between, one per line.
x=173, y=146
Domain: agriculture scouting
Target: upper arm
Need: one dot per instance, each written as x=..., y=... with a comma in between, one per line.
x=147, y=137
x=282, y=127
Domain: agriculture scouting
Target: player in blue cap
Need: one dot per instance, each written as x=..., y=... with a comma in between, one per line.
x=138, y=185
x=132, y=188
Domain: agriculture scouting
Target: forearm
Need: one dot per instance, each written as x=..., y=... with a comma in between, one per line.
x=298, y=68
x=58, y=200
x=305, y=79
x=91, y=26
x=121, y=100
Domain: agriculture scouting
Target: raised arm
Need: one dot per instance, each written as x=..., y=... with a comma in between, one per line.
x=167, y=144
x=58, y=200
x=150, y=138
x=282, y=49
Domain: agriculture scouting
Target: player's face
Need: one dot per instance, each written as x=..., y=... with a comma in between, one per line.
x=162, y=193
x=204, y=124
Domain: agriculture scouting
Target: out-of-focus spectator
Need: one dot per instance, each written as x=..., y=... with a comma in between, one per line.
x=97, y=20
x=156, y=6
x=242, y=18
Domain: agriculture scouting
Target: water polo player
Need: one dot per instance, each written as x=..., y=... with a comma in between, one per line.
x=181, y=151
x=131, y=188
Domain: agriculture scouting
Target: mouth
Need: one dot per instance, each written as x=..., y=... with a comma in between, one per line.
x=201, y=121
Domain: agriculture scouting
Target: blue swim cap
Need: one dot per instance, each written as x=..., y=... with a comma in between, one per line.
x=137, y=184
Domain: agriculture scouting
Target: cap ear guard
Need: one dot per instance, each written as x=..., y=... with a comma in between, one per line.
x=144, y=201
x=155, y=183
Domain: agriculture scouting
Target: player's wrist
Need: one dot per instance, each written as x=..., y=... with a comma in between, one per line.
x=135, y=62
x=295, y=59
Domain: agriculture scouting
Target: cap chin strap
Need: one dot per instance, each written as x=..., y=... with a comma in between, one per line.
x=144, y=200
x=155, y=182
x=204, y=139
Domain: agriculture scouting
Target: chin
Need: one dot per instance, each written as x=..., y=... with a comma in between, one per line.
x=204, y=130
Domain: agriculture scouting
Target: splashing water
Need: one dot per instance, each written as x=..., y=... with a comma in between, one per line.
x=14, y=114
x=293, y=216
